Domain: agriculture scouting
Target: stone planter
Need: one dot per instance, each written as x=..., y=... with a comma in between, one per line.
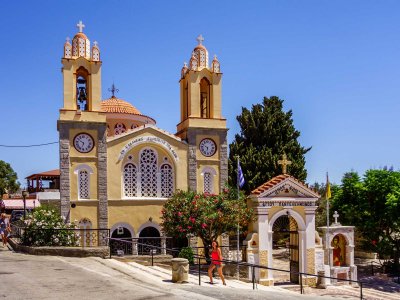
x=180, y=270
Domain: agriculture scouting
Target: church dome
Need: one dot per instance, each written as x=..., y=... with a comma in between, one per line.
x=122, y=116
x=119, y=106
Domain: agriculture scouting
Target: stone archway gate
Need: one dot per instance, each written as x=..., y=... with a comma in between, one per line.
x=282, y=195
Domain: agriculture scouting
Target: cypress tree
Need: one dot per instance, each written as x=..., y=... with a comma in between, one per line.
x=266, y=133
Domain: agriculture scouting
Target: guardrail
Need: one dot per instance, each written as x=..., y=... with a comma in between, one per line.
x=249, y=266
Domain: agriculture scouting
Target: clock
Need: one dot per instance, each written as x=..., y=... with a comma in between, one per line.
x=208, y=147
x=83, y=142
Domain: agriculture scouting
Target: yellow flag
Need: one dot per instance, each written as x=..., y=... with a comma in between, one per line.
x=328, y=194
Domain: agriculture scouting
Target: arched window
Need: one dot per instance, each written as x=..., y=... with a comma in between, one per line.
x=82, y=96
x=208, y=183
x=85, y=223
x=119, y=128
x=83, y=184
x=148, y=170
x=86, y=234
x=205, y=98
x=208, y=174
x=167, y=181
x=130, y=180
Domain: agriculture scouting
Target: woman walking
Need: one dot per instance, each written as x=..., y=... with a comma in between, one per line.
x=216, y=258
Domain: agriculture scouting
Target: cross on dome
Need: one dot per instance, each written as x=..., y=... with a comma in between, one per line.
x=80, y=25
x=200, y=39
x=67, y=39
x=113, y=90
x=284, y=162
x=95, y=43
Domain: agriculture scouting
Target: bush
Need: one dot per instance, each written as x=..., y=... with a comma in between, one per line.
x=45, y=227
x=187, y=252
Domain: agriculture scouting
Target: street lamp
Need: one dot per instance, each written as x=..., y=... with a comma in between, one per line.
x=24, y=195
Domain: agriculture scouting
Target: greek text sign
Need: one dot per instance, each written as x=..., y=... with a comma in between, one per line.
x=147, y=139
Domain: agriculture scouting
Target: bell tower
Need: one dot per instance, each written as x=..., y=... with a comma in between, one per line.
x=82, y=130
x=201, y=123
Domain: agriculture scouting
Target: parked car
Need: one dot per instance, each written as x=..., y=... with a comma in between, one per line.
x=16, y=215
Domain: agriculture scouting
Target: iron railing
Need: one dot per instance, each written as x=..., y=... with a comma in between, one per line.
x=250, y=269
x=76, y=237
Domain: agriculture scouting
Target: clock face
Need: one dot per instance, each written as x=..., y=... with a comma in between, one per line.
x=208, y=147
x=83, y=142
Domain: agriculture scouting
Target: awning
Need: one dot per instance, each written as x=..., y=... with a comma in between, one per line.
x=19, y=203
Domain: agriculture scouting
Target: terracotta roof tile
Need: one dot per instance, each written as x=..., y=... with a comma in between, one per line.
x=54, y=173
x=115, y=105
x=276, y=180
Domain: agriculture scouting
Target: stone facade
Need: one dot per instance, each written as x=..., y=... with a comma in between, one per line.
x=193, y=159
x=64, y=128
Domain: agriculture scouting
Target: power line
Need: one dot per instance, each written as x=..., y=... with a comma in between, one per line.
x=27, y=146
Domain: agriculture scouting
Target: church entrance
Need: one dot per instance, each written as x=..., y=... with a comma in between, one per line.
x=285, y=248
x=121, y=233
x=149, y=236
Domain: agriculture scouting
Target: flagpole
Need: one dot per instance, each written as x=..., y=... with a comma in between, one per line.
x=238, y=233
x=327, y=221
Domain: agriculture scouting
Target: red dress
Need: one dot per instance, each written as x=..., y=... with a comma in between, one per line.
x=215, y=258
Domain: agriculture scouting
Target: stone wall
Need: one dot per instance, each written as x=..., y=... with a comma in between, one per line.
x=103, y=252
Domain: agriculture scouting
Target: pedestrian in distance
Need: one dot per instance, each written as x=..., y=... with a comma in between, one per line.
x=4, y=227
x=216, y=261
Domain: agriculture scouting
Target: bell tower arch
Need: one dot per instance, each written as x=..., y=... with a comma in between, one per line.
x=82, y=130
x=201, y=123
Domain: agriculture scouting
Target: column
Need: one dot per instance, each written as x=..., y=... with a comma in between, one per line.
x=309, y=247
x=163, y=245
x=265, y=246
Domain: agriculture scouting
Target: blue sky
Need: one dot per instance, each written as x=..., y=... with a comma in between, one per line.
x=336, y=64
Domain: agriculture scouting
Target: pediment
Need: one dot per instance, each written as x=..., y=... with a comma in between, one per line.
x=284, y=186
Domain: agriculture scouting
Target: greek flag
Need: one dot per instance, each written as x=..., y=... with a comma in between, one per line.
x=240, y=177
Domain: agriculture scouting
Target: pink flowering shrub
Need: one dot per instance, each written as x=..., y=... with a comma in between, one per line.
x=204, y=215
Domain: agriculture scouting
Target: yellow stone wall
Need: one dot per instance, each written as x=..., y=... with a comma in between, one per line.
x=85, y=209
x=134, y=212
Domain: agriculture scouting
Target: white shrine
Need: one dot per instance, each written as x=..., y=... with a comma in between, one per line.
x=338, y=246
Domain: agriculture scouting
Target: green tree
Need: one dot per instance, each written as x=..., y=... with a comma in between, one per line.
x=204, y=215
x=373, y=206
x=8, y=179
x=266, y=133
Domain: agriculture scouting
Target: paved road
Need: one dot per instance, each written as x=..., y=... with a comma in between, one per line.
x=47, y=277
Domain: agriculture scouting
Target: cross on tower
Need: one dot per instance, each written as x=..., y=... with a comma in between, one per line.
x=200, y=39
x=113, y=90
x=284, y=162
x=67, y=40
x=95, y=43
x=80, y=25
x=336, y=216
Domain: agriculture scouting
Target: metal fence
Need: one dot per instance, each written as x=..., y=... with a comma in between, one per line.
x=241, y=270
x=141, y=246
x=65, y=237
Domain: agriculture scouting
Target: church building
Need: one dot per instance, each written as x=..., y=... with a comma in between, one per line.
x=117, y=168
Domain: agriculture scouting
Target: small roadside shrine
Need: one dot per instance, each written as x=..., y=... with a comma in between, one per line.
x=338, y=246
x=283, y=204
